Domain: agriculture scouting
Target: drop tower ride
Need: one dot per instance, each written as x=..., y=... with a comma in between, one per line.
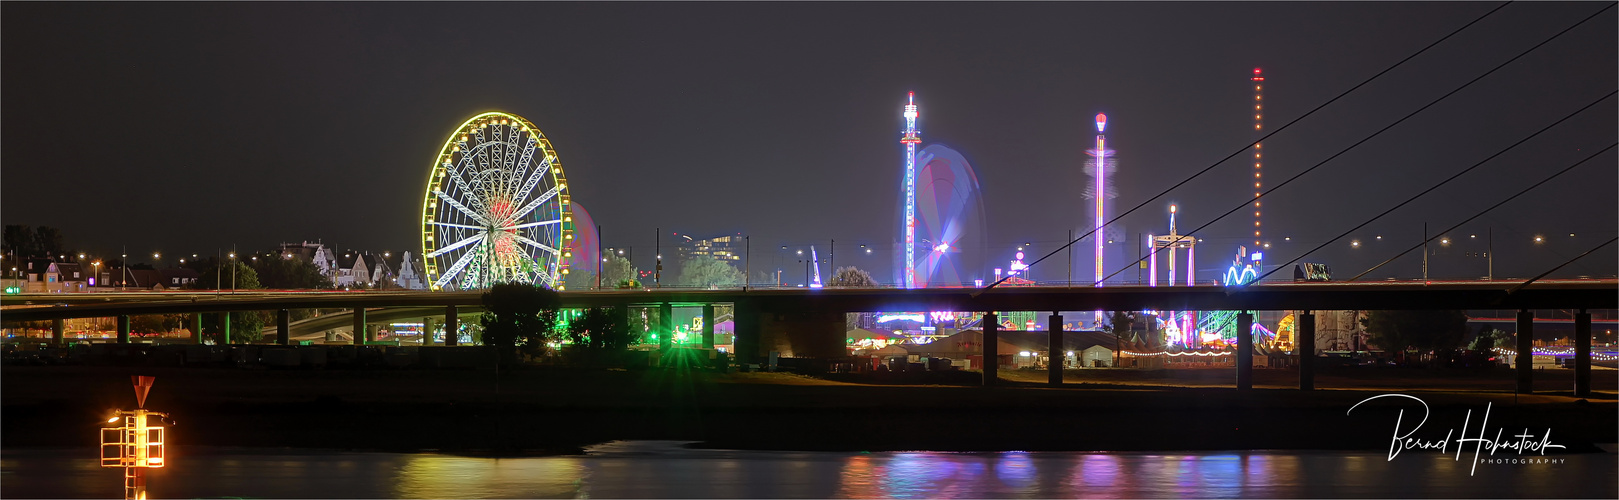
x=910, y=139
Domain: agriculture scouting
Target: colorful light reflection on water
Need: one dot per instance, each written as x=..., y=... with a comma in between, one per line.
x=667, y=470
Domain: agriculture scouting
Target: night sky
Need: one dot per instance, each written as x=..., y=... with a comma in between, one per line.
x=188, y=127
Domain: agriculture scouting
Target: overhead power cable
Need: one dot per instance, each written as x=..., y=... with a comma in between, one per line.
x=1560, y=266
x=1480, y=214
x=1261, y=139
x=1447, y=181
x=1385, y=128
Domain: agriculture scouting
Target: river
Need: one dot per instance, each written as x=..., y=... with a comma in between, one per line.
x=659, y=469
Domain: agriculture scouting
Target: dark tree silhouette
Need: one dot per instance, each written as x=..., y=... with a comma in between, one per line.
x=520, y=318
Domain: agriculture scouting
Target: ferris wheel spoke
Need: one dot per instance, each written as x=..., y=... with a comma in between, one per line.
x=474, y=239
x=532, y=224
x=520, y=168
x=510, y=147
x=499, y=136
x=463, y=208
x=462, y=186
x=461, y=263
x=528, y=155
x=463, y=226
x=483, y=149
x=533, y=179
x=530, y=242
x=520, y=213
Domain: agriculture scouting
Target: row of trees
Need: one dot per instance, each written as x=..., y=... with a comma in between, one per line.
x=525, y=319
x=20, y=240
x=701, y=272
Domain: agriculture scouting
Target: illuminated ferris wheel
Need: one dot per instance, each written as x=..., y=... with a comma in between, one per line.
x=496, y=208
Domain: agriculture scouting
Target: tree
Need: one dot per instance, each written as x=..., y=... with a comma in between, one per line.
x=617, y=270
x=520, y=317
x=1397, y=331
x=245, y=278
x=706, y=272
x=1119, y=324
x=155, y=324
x=851, y=276
x=599, y=330
x=582, y=279
x=763, y=277
x=23, y=241
x=246, y=327
x=1487, y=339
x=288, y=274
x=48, y=241
x=19, y=239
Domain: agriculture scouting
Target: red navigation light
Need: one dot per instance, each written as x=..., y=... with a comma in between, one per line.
x=1101, y=122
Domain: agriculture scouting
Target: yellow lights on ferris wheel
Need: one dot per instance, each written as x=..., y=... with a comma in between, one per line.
x=496, y=222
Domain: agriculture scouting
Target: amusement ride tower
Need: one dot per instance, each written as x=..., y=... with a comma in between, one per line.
x=1101, y=192
x=1172, y=241
x=911, y=139
x=1259, y=121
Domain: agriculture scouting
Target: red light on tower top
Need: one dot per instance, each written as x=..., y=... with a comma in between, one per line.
x=1101, y=122
x=1257, y=76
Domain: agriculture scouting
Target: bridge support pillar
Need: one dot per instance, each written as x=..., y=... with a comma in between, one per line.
x=1582, y=354
x=1245, y=351
x=196, y=329
x=708, y=326
x=427, y=331
x=992, y=349
x=745, y=314
x=1526, y=351
x=359, y=326
x=666, y=327
x=224, y=328
x=452, y=326
x=1055, y=354
x=1305, y=332
x=283, y=327
x=123, y=329
x=59, y=327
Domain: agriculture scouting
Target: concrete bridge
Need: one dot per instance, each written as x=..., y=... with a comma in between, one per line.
x=810, y=323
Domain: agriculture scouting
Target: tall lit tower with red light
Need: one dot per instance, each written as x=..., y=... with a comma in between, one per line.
x=1100, y=193
x=1100, y=172
x=1259, y=122
x=911, y=138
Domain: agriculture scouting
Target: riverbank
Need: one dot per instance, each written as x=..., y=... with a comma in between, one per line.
x=561, y=411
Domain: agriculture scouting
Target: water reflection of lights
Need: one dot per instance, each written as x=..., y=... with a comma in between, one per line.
x=439, y=476
x=1014, y=469
x=686, y=473
x=1097, y=471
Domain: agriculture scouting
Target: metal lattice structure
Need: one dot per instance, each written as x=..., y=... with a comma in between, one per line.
x=496, y=208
